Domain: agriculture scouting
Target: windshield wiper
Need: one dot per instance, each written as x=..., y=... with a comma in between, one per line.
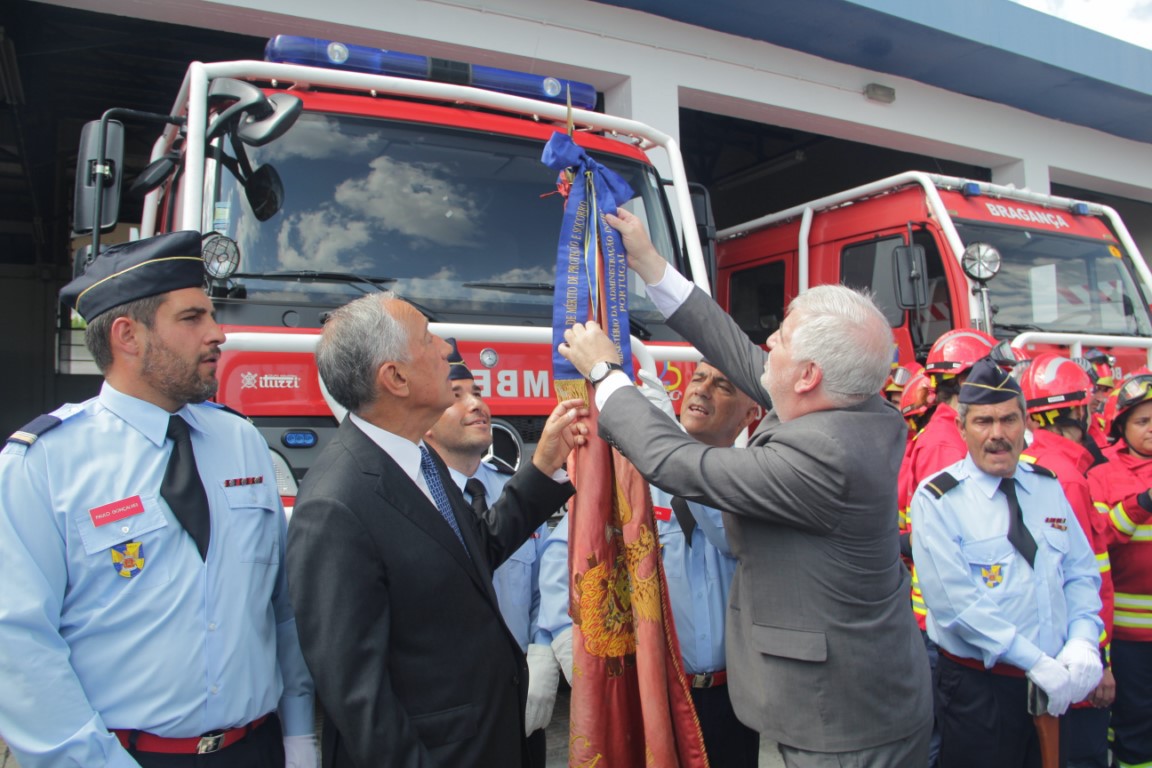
x=1018, y=327
x=311, y=274
x=514, y=287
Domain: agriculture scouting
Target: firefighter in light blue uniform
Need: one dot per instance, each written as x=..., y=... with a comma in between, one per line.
x=1006, y=600
x=121, y=645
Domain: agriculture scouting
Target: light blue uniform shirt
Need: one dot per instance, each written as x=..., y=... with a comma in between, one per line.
x=699, y=578
x=179, y=646
x=517, y=580
x=984, y=601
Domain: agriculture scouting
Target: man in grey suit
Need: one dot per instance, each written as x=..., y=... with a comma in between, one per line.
x=824, y=656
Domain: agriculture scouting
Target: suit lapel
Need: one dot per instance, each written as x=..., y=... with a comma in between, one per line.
x=400, y=492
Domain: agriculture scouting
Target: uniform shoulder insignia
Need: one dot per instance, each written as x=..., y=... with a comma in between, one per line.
x=226, y=409
x=501, y=466
x=30, y=432
x=941, y=484
x=1043, y=471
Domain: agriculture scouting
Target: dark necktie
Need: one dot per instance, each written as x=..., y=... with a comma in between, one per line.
x=436, y=488
x=477, y=491
x=684, y=516
x=182, y=487
x=1018, y=534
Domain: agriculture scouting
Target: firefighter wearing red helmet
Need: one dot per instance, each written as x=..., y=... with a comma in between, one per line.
x=1120, y=490
x=1058, y=396
x=900, y=377
x=916, y=401
x=939, y=444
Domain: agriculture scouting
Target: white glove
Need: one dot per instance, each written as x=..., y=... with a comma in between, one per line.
x=562, y=648
x=653, y=390
x=1051, y=676
x=300, y=751
x=1082, y=660
x=543, y=678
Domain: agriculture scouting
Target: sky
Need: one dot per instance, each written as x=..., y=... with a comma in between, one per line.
x=1128, y=20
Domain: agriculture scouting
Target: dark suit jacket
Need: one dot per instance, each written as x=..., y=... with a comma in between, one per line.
x=400, y=628
x=823, y=651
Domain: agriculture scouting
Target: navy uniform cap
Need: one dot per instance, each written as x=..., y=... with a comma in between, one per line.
x=988, y=384
x=136, y=270
x=457, y=368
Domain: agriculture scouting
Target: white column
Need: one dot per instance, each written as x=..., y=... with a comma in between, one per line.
x=1025, y=173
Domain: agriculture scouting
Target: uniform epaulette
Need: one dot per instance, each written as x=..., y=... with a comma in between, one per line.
x=941, y=484
x=31, y=432
x=501, y=466
x=226, y=409
x=1039, y=469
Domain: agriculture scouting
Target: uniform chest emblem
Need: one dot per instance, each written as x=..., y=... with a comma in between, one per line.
x=992, y=575
x=1059, y=523
x=128, y=558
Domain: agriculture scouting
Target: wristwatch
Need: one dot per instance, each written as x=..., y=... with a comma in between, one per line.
x=601, y=370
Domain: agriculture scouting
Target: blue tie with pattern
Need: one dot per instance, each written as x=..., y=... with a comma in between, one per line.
x=436, y=488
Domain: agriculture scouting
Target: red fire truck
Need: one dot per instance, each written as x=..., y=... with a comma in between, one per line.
x=1038, y=271
x=330, y=171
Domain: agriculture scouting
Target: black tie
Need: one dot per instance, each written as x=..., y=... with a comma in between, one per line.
x=477, y=491
x=182, y=487
x=1018, y=534
x=684, y=516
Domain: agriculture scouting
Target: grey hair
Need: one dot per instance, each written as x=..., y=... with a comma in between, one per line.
x=842, y=331
x=357, y=339
x=962, y=408
x=98, y=334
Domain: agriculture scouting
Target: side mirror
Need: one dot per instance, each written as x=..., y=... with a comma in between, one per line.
x=153, y=175
x=705, y=226
x=244, y=96
x=911, y=274
x=98, y=186
x=284, y=109
x=265, y=192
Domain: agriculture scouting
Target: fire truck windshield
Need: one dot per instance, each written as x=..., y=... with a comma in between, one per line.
x=460, y=222
x=1061, y=283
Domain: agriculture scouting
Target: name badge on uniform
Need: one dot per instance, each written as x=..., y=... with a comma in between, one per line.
x=128, y=558
x=664, y=514
x=117, y=510
x=238, y=481
x=992, y=575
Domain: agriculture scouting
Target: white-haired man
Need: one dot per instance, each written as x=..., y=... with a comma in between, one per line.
x=819, y=609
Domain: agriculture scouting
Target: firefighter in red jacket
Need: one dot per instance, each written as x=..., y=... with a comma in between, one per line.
x=939, y=444
x=1058, y=394
x=1120, y=489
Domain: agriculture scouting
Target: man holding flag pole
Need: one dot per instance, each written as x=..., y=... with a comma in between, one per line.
x=818, y=612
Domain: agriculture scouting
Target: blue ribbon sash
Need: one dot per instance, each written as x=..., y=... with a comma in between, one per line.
x=591, y=281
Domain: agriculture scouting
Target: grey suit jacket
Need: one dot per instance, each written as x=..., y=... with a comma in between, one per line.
x=823, y=651
x=399, y=625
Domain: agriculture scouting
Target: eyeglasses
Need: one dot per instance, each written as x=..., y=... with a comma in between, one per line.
x=1135, y=390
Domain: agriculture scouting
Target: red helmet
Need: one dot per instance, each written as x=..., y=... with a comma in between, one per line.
x=918, y=396
x=1053, y=382
x=1134, y=390
x=956, y=351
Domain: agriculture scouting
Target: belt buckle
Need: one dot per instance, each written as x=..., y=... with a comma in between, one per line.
x=702, y=681
x=210, y=742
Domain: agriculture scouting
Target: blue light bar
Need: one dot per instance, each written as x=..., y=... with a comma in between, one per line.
x=330, y=54
x=970, y=189
x=1080, y=209
x=299, y=438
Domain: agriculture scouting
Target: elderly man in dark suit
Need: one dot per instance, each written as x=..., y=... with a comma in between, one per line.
x=824, y=656
x=390, y=571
